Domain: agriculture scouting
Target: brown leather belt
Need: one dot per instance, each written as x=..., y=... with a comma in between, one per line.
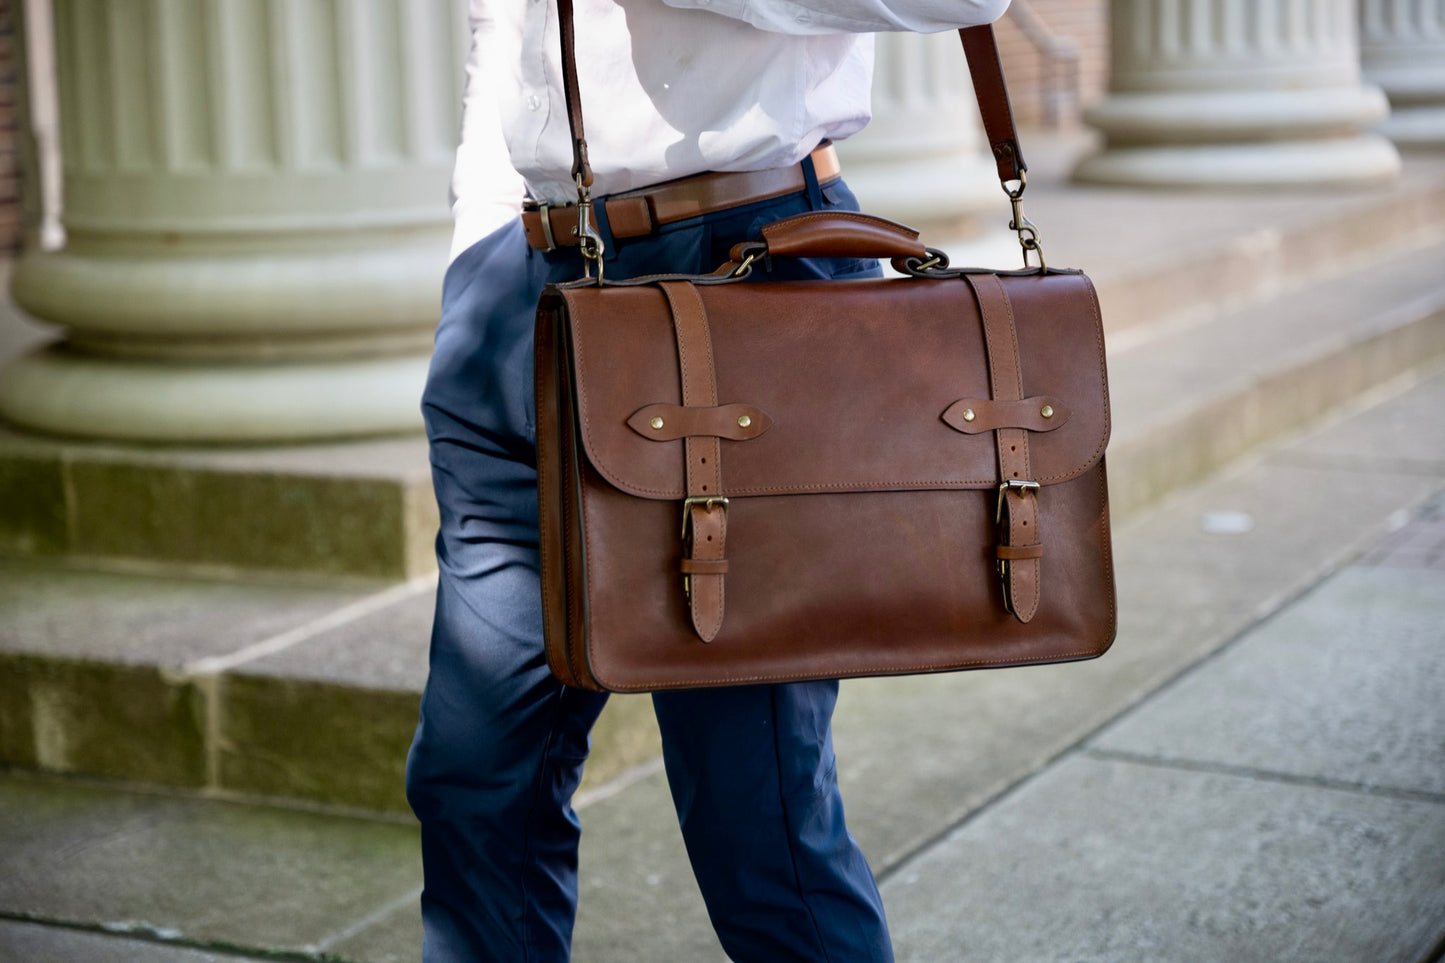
x=640, y=212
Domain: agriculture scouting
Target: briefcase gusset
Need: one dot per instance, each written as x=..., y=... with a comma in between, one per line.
x=745, y=483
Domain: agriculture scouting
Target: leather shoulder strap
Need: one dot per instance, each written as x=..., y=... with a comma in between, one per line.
x=986, y=70
x=581, y=167
x=984, y=66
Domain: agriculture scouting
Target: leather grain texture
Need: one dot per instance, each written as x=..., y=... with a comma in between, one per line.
x=861, y=528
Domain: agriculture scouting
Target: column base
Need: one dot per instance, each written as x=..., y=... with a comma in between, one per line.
x=1215, y=116
x=63, y=392
x=1422, y=127
x=1353, y=161
x=330, y=294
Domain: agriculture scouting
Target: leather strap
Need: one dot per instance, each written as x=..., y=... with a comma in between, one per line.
x=974, y=416
x=705, y=513
x=736, y=422
x=571, y=90
x=1018, y=505
x=984, y=66
x=979, y=46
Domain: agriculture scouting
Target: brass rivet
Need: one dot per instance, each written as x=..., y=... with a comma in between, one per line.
x=1047, y=411
x=656, y=421
x=968, y=414
x=744, y=421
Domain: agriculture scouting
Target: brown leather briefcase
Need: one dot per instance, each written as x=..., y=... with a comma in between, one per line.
x=773, y=481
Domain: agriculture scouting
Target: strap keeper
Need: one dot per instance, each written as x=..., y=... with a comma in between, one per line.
x=697, y=566
x=1010, y=552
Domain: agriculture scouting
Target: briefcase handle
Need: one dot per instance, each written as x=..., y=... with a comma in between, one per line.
x=836, y=234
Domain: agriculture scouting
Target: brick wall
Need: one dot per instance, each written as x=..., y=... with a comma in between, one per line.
x=1083, y=21
x=9, y=130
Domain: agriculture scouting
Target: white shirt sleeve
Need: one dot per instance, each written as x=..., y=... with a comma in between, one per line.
x=486, y=192
x=852, y=16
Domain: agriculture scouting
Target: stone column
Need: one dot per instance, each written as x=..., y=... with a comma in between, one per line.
x=1403, y=48
x=256, y=219
x=923, y=160
x=40, y=128
x=1237, y=93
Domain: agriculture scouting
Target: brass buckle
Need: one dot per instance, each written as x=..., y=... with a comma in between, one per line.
x=706, y=501
x=1017, y=484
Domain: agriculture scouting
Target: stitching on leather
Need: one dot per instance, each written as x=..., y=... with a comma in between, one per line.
x=1031, y=570
x=890, y=670
x=615, y=478
x=690, y=321
x=667, y=289
x=544, y=539
x=843, y=215
x=1108, y=542
x=1096, y=649
x=1103, y=383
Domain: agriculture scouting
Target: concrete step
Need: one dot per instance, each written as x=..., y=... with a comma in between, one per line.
x=1190, y=397
x=365, y=510
x=283, y=687
x=964, y=789
x=293, y=667
x=362, y=510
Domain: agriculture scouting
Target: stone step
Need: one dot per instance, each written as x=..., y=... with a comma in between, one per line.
x=277, y=686
x=365, y=510
x=928, y=765
x=362, y=510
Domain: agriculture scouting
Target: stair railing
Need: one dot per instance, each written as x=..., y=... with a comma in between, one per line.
x=1059, y=78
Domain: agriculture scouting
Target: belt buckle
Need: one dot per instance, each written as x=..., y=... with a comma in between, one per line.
x=545, y=210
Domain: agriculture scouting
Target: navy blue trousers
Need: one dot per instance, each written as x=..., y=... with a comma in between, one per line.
x=500, y=744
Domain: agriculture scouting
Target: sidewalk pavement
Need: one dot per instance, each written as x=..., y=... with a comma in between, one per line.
x=1256, y=772
x=1285, y=800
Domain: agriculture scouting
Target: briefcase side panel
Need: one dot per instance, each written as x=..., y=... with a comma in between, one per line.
x=560, y=533
x=551, y=537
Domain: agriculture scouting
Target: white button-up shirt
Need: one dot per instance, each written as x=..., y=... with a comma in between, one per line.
x=669, y=88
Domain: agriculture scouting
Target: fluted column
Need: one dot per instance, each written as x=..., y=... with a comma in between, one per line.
x=1237, y=92
x=256, y=218
x=1403, y=49
x=923, y=159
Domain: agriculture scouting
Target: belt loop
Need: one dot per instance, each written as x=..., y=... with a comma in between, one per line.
x=810, y=178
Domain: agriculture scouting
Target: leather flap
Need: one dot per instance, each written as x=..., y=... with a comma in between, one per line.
x=854, y=385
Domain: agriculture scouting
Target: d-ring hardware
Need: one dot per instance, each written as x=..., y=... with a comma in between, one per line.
x=587, y=237
x=1029, y=238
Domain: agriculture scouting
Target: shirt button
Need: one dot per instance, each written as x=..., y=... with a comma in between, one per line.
x=534, y=102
